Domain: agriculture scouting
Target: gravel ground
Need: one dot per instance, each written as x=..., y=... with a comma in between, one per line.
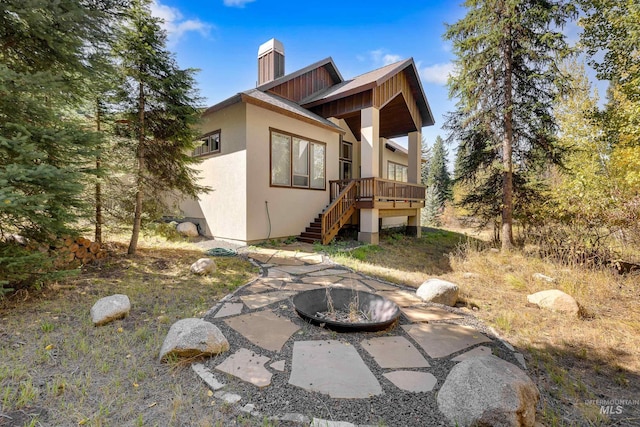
x=393, y=407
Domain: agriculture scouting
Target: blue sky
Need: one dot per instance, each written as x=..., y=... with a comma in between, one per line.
x=221, y=38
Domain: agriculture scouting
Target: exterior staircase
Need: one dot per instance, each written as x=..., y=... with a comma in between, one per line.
x=327, y=224
x=313, y=233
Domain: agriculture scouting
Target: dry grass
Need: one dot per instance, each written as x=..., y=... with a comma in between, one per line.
x=572, y=359
x=56, y=368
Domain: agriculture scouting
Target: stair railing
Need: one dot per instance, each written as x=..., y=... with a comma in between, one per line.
x=338, y=212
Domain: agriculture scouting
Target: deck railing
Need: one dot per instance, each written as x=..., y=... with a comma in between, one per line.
x=380, y=190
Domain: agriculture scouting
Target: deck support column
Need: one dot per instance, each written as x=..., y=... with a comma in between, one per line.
x=369, y=167
x=414, y=176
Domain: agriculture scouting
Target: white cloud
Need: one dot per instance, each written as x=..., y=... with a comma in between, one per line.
x=173, y=23
x=382, y=57
x=237, y=3
x=436, y=73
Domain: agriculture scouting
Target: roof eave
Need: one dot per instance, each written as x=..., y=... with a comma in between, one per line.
x=262, y=104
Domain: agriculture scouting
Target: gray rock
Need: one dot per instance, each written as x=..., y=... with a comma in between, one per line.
x=203, y=266
x=488, y=391
x=188, y=229
x=439, y=291
x=193, y=337
x=554, y=300
x=110, y=308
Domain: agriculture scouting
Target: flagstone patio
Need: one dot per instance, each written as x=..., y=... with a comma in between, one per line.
x=274, y=351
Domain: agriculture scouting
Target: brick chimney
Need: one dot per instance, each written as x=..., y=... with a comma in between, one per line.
x=270, y=61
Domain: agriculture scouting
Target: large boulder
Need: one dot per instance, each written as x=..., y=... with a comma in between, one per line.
x=554, y=300
x=203, y=266
x=438, y=291
x=188, y=229
x=488, y=391
x=193, y=337
x=110, y=308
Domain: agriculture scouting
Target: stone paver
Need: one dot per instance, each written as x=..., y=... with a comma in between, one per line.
x=228, y=397
x=260, y=300
x=310, y=258
x=263, y=258
x=301, y=287
x=281, y=260
x=248, y=366
x=476, y=352
x=264, y=328
x=402, y=298
x=321, y=280
x=229, y=309
x=301, y=269
x=332, y=367
x=207, y=376
x=440, y=340
x=278, y=366
x=278, y=274
x=329, y=272
x=394, y=352
x=413, y=381
x=427, y=314
x=351, y=284
x=261, y=286
x=378, y=286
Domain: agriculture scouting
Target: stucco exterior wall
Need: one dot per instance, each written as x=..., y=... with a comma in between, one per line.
x=290, y=210
x=224, y=209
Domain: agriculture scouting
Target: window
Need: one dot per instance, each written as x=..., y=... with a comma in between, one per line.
x=209, y=143
x=397, y=172
x=297, y=162
x=346, y=160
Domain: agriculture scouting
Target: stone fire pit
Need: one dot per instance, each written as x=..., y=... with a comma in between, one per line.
x=346, y=310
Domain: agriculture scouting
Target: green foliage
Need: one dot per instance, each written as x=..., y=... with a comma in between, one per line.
x=159, y=102
x=46, y=70
x=611, y=27
x=431, y=212
x=507, y=61
x=438, y=174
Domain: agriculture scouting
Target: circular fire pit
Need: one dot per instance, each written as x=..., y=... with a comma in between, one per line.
x=361, y=311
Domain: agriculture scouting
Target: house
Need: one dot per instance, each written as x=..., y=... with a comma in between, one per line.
x=305, y=153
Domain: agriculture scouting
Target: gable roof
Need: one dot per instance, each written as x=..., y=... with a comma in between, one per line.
x=275, y=103
x=373, y=79
x=326, y=63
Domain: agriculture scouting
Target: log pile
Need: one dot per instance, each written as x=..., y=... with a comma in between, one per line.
x=73, y=251
x=79, y=249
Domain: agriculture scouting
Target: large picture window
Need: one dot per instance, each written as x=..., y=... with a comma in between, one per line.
x=397, y=172
x=297, y=162
x=209, y=144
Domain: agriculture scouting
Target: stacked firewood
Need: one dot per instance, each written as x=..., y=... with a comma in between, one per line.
x=81, y=250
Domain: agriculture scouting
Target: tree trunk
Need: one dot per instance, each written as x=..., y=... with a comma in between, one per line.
x=507, y=151
x=98, y=234
x=137, y=217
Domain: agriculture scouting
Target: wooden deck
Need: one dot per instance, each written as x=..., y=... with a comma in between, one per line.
x=392, y=198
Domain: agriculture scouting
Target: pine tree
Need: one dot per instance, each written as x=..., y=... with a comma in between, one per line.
x=46, y=70
x=507, y=79
x=438, y=175
x=160, y=104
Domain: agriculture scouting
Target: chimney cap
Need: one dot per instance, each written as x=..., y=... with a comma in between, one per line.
x=269, y=46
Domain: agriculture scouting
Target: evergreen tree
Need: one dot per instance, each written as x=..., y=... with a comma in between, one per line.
x=160, y=104
x=46, y=69
x=438, y=175
x=426, y=160
x=507, y=79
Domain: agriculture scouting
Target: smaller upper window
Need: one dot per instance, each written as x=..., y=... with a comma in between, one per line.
x=209, y=143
